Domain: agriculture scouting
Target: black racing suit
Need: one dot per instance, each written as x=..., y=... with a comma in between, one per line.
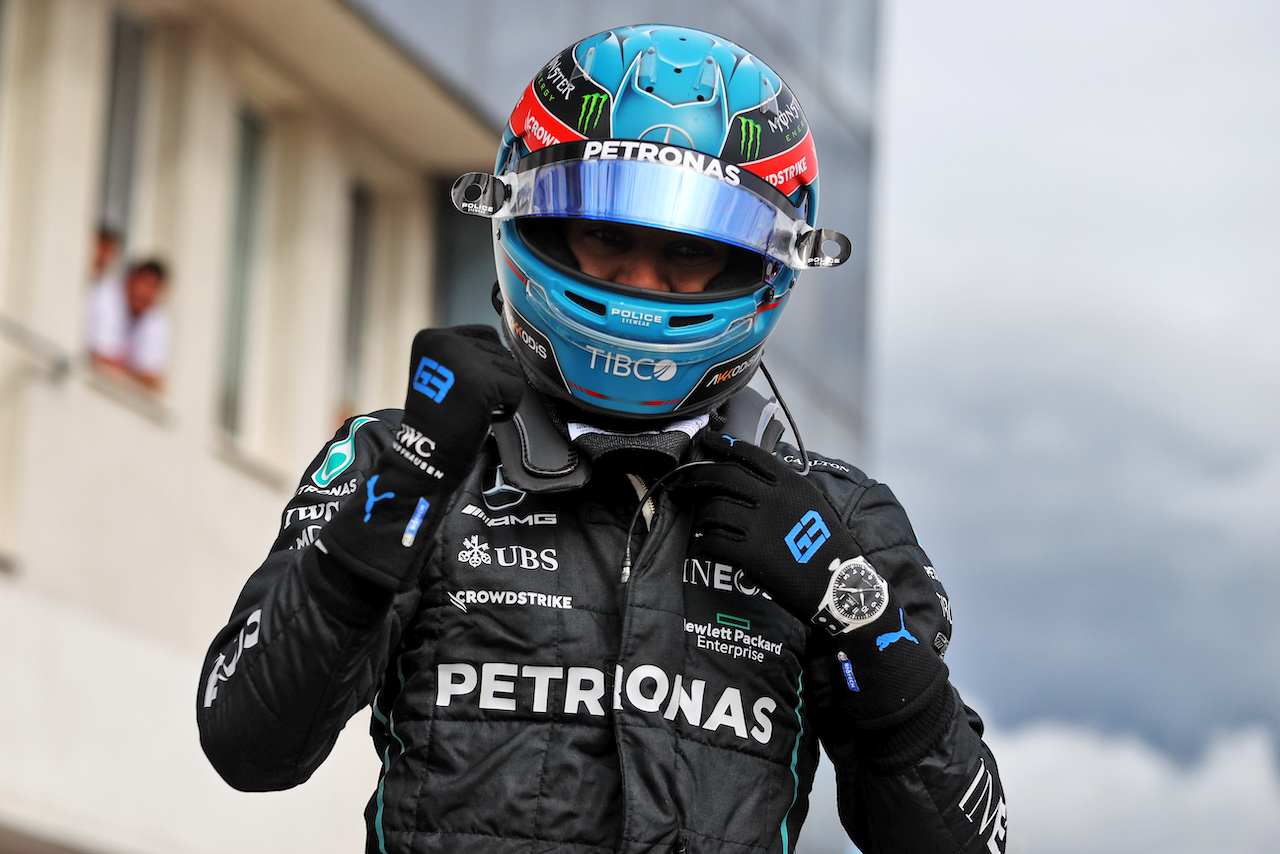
x=526, y=699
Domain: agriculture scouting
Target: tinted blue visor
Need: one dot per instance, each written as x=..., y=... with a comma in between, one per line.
x=657, y=186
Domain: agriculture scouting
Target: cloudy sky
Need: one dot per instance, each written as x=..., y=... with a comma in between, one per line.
x=1077, y=397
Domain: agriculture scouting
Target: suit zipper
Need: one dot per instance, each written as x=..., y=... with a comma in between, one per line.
x=646, y=510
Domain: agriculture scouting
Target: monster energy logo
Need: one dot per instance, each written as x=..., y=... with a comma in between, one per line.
x=749, y=147
x=592, y=109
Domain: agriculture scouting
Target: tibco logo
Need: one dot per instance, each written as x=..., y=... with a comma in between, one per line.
x=621, y=365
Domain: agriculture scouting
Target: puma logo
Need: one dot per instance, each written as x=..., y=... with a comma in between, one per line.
x=882, y=642
x=373, y=499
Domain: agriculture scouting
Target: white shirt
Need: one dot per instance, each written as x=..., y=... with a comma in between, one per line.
x=141, y=344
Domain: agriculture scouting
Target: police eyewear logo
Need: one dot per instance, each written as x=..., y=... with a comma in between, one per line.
x=636, y=318
x=622, y=365
x=432, y=379
x=807, y=536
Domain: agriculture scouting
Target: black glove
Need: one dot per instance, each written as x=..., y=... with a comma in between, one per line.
x=759, y=514
x=460, y=380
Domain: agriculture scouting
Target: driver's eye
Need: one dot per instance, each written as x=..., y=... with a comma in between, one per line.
x=690, y=250
x=613, y=238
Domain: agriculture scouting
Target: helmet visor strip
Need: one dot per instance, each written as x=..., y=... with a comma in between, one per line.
x=658, y=186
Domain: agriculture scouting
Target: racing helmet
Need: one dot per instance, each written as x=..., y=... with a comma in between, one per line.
x=667, y=128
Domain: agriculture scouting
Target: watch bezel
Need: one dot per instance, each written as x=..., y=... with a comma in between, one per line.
x=831, y=615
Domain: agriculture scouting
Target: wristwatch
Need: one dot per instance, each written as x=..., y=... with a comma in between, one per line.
x=856, y=595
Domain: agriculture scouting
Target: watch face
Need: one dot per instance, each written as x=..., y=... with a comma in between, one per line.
x=858, y=593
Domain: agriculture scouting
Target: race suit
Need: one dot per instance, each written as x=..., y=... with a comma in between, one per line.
x=528, y=699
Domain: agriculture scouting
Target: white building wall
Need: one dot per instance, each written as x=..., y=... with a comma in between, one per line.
x=129, y=521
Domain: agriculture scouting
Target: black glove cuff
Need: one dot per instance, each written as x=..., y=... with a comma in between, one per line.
x=894, y=684
x=386, y=571
x=897, y=747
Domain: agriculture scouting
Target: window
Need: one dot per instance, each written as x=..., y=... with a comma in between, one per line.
x=359, y=267
x=245, y=213
x=128, y=59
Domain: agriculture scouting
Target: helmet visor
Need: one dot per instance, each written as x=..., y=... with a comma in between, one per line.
x=653, y=185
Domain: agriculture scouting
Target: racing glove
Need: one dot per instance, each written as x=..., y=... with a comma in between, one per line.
x=759, y=514
x=460, y=379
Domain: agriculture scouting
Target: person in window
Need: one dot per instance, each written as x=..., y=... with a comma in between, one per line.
x=128, y=326
x=595, y=603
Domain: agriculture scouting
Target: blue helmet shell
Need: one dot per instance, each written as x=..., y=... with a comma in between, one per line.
x=635, y=353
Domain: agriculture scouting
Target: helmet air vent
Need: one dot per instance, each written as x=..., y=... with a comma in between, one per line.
x=707, y=78
x=589, y=305
x=648, y=72
x=678, y=320
x=768, y=98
